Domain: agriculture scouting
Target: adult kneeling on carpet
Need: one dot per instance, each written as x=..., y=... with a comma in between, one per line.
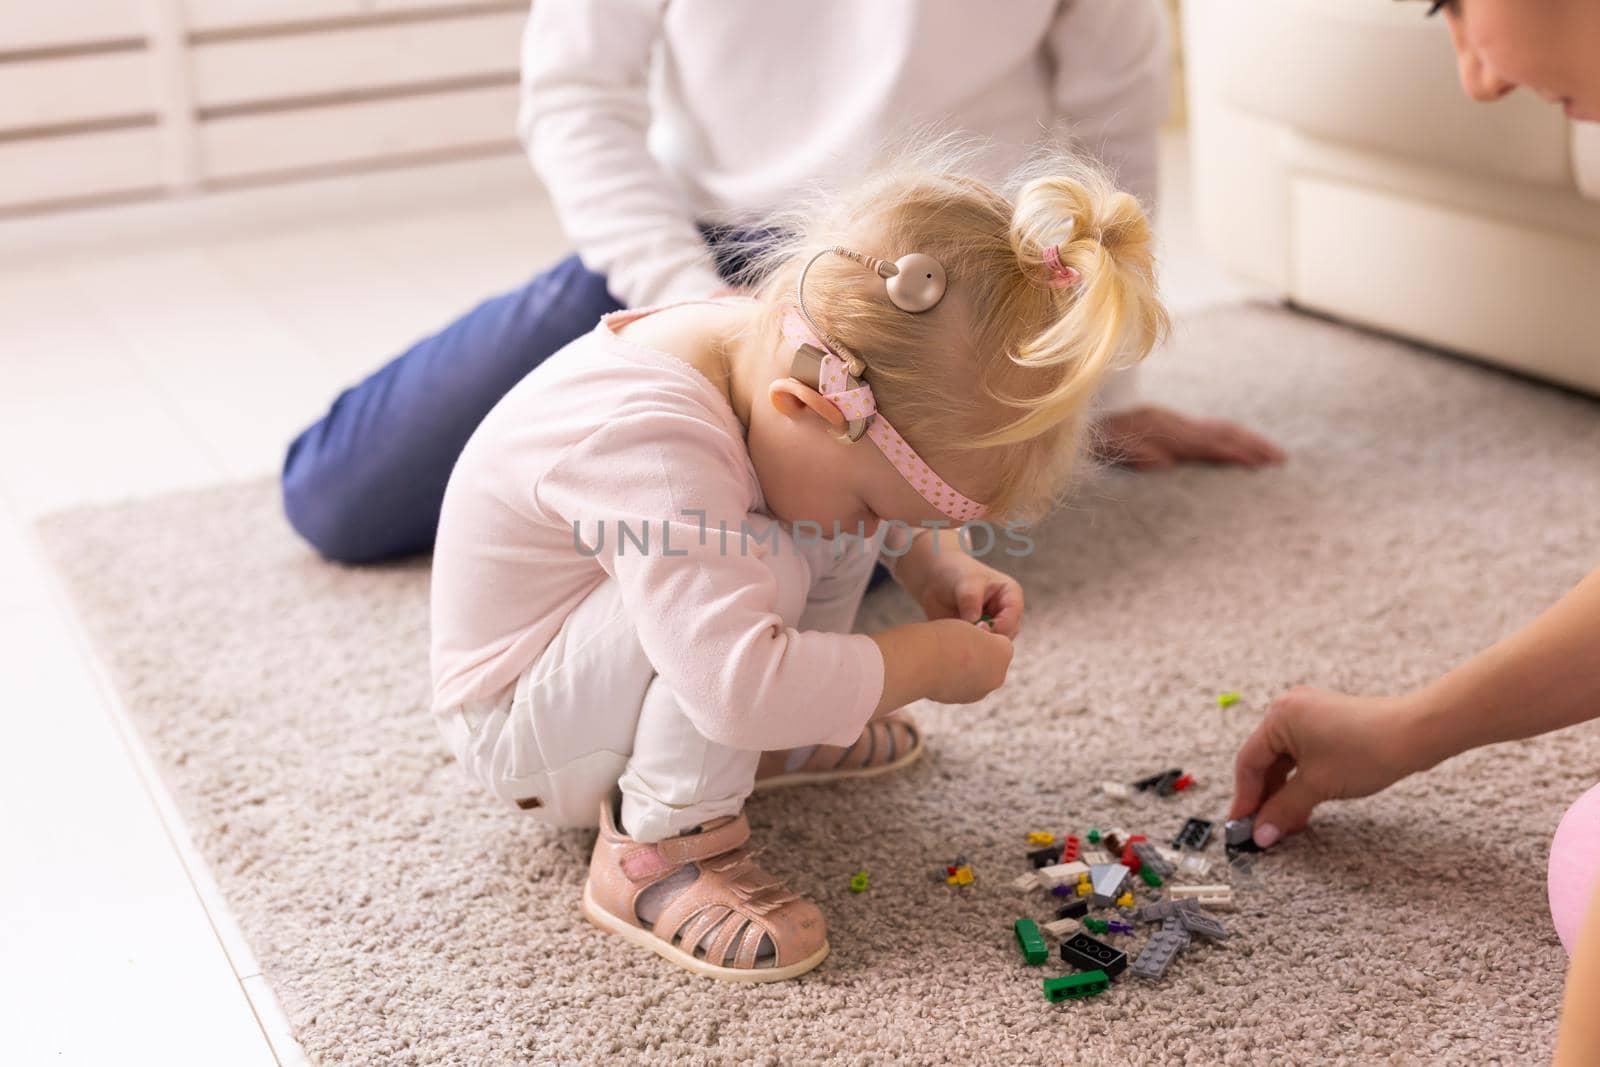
x=1315, y=746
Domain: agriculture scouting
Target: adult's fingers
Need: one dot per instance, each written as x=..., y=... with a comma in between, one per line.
x=1223, y=442
x=1258, y=757
x=1266, y=448
x=1258, y=449
x=1285, y=811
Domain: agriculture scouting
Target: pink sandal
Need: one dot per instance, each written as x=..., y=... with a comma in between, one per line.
x=716, y=912
x=887, y=744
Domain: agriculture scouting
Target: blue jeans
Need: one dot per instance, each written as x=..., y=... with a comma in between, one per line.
x=365, y=481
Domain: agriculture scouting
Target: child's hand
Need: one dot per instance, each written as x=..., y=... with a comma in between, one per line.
x=971, y=662
x=947, y=660
x=1336, y=746
x=1151, y=437
x=956, y=586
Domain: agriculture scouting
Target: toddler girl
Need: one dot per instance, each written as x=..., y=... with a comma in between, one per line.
x=652, y=550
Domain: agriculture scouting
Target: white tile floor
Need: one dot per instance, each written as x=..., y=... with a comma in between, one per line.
x=159, y=346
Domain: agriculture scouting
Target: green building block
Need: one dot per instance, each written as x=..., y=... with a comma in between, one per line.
x=1227, y=700
x=1031, y=942
x=1151, y=878
x=1075, y=986
x=1093, y=835
x=858, y=882
x=1095, y=926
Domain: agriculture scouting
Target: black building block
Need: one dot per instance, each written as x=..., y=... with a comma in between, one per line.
x=1196, y=834
x=1045, y=857
x=1087, y=954
x=1073, y=909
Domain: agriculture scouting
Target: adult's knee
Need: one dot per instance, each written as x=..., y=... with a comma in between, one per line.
x=325, y=505
x=367, y=480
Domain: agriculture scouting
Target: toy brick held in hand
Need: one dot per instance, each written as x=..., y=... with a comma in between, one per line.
x=1238, y=835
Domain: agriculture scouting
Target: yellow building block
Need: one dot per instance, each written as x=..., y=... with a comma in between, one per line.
x=1041, y=837
x=963, y=876
x=1125, y=900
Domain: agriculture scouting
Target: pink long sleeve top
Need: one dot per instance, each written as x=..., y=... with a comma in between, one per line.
x=607, y=432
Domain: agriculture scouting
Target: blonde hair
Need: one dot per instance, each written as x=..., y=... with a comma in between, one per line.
x=999, y=376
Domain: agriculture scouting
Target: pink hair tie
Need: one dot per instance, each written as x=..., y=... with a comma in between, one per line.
x=1061, y=275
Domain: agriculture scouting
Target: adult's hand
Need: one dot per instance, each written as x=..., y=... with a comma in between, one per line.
x=1153, y=437
x=1313, y=746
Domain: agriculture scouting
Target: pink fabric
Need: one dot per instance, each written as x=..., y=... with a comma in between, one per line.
x=607, y=431
x=1574, y=864
x=859, y=403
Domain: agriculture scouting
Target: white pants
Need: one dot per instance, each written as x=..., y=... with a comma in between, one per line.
x=591, y=713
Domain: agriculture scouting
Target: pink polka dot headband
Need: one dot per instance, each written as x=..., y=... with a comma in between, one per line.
x=819, y=367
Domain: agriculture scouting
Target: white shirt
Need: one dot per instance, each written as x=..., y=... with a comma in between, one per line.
x=645, y=117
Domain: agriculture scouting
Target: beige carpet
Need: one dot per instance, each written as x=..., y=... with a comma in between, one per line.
x=1430, y=507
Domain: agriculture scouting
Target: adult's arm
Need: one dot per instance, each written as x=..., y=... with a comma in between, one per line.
x=1544, y=677
x=583, y=120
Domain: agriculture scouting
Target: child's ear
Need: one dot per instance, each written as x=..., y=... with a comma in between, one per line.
x=793, y=398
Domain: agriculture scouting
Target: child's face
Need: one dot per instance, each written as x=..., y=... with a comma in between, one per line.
x=1549, y=46
x=808, y=473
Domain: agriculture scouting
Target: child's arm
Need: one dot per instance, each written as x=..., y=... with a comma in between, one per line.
x=947, y=658
x=1578, y=1043
x=705, y=584
x=1542, y=678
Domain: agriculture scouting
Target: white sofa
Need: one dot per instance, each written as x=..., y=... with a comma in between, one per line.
x=1336, y=161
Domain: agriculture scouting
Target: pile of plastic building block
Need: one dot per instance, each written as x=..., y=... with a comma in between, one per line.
x=1114, y=885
